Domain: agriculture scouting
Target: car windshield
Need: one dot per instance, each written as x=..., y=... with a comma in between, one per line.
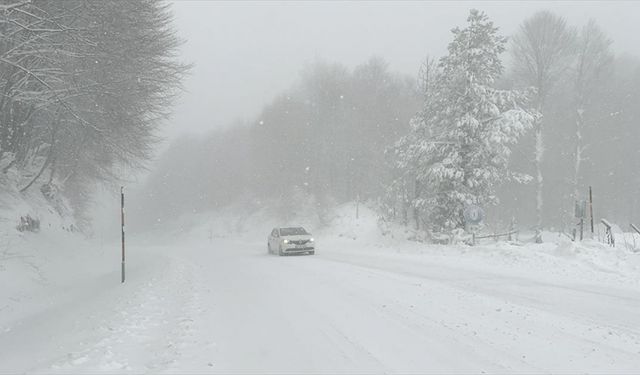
x=292, y=231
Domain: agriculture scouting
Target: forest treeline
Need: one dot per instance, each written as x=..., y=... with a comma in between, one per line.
x=84, y=85
x=321, y=142
x=523, y=141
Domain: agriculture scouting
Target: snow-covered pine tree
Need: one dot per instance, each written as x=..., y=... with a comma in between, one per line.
x=459, y=146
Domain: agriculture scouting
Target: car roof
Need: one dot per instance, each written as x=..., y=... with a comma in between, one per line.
x=290, y=228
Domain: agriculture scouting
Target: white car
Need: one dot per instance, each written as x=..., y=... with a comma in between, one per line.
x=293, y=240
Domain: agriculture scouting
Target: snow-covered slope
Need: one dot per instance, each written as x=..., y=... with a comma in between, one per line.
x=30, y=260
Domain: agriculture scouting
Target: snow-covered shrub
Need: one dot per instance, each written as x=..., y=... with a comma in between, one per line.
x=28, y=224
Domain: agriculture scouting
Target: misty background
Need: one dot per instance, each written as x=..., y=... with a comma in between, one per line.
x=248, y=56
x=245, y=53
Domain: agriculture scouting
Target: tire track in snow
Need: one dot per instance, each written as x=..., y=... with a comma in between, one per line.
x=435, y=339
x=525, y=318
x=148, y=329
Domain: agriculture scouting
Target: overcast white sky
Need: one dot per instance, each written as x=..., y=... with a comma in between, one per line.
x=247, y=52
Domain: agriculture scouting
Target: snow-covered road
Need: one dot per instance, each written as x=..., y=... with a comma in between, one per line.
x=226, y=306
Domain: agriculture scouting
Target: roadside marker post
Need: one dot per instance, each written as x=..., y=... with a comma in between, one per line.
x=591, y=209
x=122, y=227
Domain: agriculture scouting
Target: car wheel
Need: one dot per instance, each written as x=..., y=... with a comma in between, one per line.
x=280, y=252
x=269, y=248
x=312, y=252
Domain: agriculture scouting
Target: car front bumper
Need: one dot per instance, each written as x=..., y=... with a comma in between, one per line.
x=293, y=249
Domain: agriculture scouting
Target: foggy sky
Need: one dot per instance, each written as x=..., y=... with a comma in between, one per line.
x=246, y=52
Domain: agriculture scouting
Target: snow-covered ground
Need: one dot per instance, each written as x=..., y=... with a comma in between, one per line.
x=210, y=299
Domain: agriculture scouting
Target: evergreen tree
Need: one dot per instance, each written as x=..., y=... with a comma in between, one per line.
x=459, y=146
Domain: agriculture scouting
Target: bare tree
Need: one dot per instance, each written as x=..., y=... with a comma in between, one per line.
x=83, y=86
x=593, y=60
x=427, y=75
x=542, y=50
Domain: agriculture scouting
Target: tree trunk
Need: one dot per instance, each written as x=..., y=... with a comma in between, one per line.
x=42, y=169
x=416, y=210
x=578, y=160
x=539, y=181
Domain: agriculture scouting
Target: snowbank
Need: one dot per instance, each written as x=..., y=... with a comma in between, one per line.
x=558, y=256
x=36, y=265
x=343, y=233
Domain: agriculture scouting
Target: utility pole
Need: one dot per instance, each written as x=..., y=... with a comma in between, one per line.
x=122, y=221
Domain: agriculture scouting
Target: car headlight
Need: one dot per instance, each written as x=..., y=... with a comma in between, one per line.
x=311, y=240
x=285, y=241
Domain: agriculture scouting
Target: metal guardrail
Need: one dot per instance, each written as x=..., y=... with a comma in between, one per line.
x=497, y=235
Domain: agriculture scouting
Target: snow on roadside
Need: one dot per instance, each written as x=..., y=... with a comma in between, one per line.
x=559, y=257
x=63, y=308
x=340, y=231
x=30, y=262
x=73, y=314
x=588, y=260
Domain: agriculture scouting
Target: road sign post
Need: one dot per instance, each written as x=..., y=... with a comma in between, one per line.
x=580, y=213
x=473, y=217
